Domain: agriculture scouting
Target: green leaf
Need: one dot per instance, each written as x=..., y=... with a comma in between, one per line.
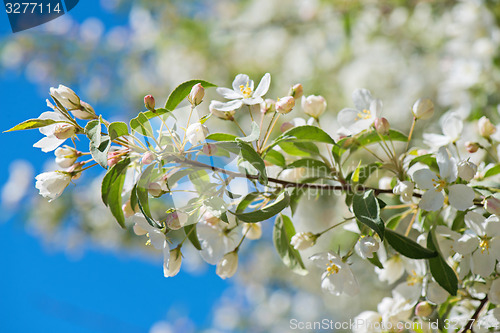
x=254, y=135
x=266, y=212
x=319, y=167
x=364, y=139
x=117, y=129
x=407, y=246
x=375, y=261
x=367, y=211
x=111, y=189
x=299, y=148
x=141, y=124
x=493, y=171
x=443, y=274
x=141, y=189
x=191, y=234
x=247, y=200
x=248, y=154
x=33, y=123
x=275, y=158
x=282, y=234
x=182, y=91
x=221, y=137
x=306, y=133
x=100, y=153
x=363, y=172
x=93, y=131
x=427, y=159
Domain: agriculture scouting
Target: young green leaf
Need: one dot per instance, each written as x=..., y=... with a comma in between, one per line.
x=493, y=171
x=111, y=189
x=117, y=129
x=141, y=124
x=248, y=154
x=304, y=133
x=443, y=274
x=33, y=123
x=182, y=91
x=191, y=234
x=221, y=137
x=375, y=261
x=266, y=212
x=367, y=211
x=254, y=135
x=275, y=158
x=407, y=246
x=282, y=234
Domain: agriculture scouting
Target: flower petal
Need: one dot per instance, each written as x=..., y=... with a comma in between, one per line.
x=49, y=143
x=229, y=94
x=452, y=126
x=482, y=263
x=240, y=80
x=492, y=226
x=252, y=100
x=263, y=86
x=362, y=99
x=423, y=178
x=376, y=108
x=461, y=196
x=431, y=200
x=467, y=243
x=436, y=140
x=447, y=165
x=227, y=106
x=475, y=221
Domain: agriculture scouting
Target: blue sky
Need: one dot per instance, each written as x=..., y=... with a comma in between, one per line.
x=42, y=291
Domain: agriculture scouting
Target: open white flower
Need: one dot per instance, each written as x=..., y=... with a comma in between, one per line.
x=460, y=196
x=338, y=277
x=243, y=92
x=480, y=244
x=52, y=184
x=196, y=133
x=55, y=134
x=215, y=239
x=393, y=269
x=451, y=125
x=362, y=117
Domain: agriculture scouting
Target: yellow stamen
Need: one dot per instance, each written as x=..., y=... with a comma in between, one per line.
x=484, y=245
x=246, y=90
x=413, y=278
x=331, y=268
x=365, y=114
x=439, y=184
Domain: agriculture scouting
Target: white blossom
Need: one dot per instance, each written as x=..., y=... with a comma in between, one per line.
x=196, y=133
x=55, y=134
x=362, y=117
x=228, y=265
x=243, y=92
x=52, y=184
x=303, y=240
x=338, y=277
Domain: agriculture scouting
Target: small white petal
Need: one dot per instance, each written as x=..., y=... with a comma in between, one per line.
x=447, y=165
x=482, y=263
x=229, y=94
x=263, y=86
x=241, y=80
x=362, y=99
x=431, y=200
x=461, y=196
x=423, y=178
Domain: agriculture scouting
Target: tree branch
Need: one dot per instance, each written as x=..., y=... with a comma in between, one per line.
x=474, y=317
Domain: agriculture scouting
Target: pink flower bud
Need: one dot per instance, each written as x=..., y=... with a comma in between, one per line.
x=471, y=147
x=296, y=91
x=286, y=126
x=149, y=102
x=209, y=149
x=114, y=157
x=285, y=105
x=314, y=106
x=64, y=131
x=382, y=126
x=269, y=105
x=173, y=222
x=492, y=205
x=486, y=128
x=147, y=158
x=423, y=309
x=196, y=95
x=75, y=170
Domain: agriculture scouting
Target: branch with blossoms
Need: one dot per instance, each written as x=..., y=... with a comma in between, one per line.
x=431, y=217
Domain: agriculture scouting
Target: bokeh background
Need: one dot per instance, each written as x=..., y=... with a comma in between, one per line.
x=68, y=267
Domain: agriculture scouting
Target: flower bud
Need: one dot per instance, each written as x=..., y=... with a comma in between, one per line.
x=225, y=115
x=423, y=309
x=405, y=189
x=114, y=157
x=210, y=149
x=466, y=170
x=382, y=126
x=173, y=221
x=76, y=170
x=296, y=91
x=286, y=126
x=147, y=158
x=492, y=205
x=314, y=106
x=64, y=131
x=303, y=240
x=172, y=265
x=66, y=97
x=155, y=189
x=486, y=128
x=128, y=211
x=196, y=95
x=252, y=230
x=149, y=102
x=366, y=246
x=228, y=265
x=196, y=133
x=52, y=184
x=85, y=112
x=471, y=147
x=66, y=157
x=423, y=109
x=285, y=105
x=269, y=105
